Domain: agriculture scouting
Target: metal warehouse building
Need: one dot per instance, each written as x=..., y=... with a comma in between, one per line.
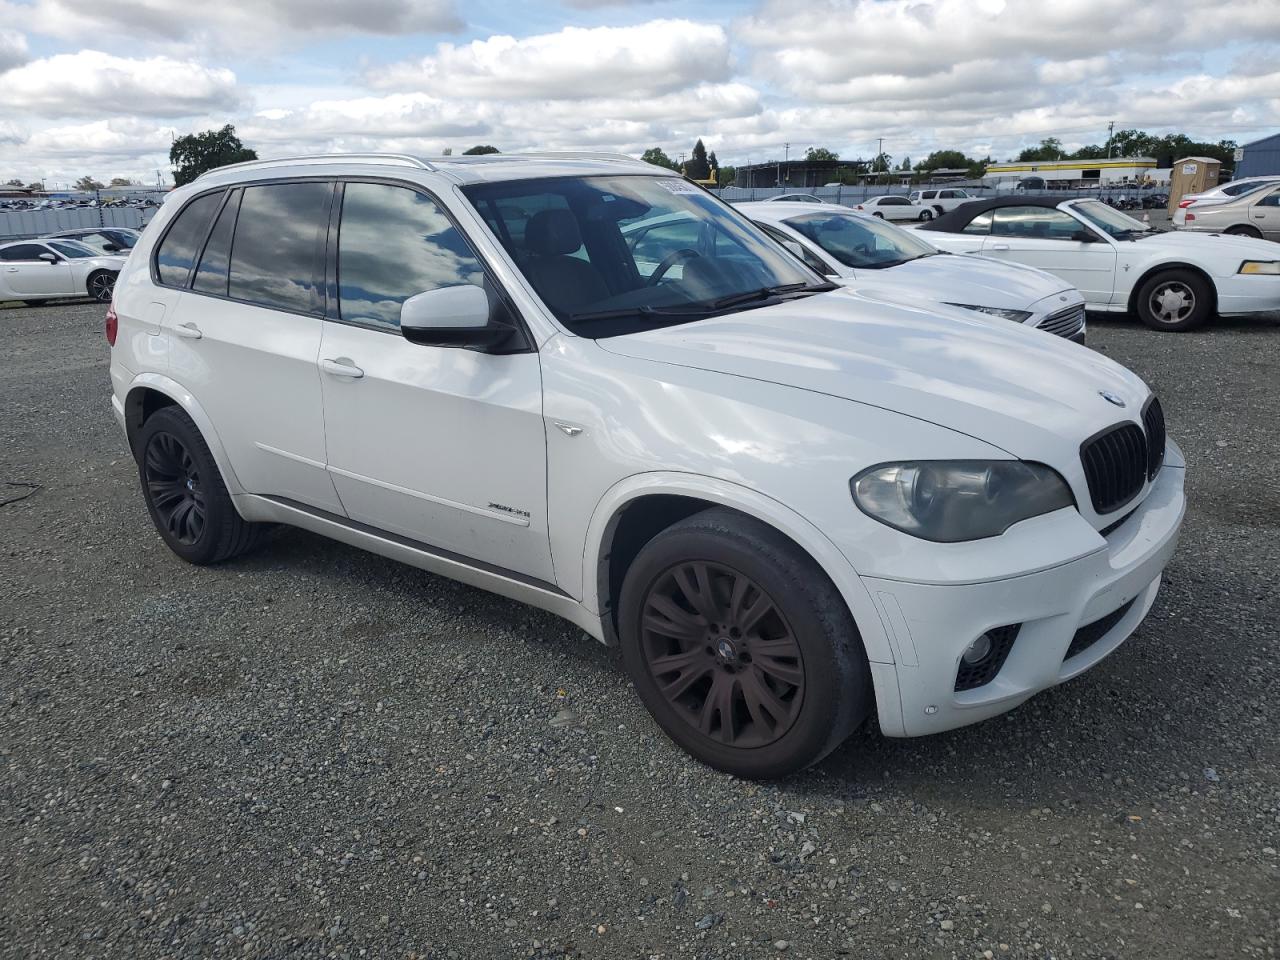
x=1076, y=173
x=1259, y=159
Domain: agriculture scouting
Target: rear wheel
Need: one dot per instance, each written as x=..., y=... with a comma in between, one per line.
x=101, y=285
x=926, y=214
x=741, y=647
x=878, y=214
x=1244, y=230
x=1175, y=300
x=185, y=494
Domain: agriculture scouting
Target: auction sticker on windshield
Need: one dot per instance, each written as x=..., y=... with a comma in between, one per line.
x=679, y=186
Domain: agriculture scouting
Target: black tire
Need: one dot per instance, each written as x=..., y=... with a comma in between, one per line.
x=821, y=691
x=1244, y=230
x=1174, y=301
x=926, y=215
x=185, y=494
x=100, y=285
x=878, y=214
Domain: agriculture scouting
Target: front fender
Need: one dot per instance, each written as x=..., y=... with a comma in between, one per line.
x=191, y=406
x=753, y=503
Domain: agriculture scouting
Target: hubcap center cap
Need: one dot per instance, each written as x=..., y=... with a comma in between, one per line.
x=726, y=650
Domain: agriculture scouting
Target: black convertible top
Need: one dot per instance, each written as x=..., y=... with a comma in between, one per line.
x=957, y=219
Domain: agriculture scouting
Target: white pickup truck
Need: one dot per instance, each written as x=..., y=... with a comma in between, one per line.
x=942, y=201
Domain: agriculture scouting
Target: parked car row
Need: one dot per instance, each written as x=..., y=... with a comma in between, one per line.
x=1247, y=208
x=793, y=496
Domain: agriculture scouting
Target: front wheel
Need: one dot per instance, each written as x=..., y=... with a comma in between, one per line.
x=185, y=494
x=101, y=285
x=1175, y=301
x=740, y=646
x=880, y=215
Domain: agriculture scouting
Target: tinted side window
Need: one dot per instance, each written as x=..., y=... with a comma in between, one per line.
x=394, y=243
x=277, y=257
x=181, y=244
x=1270, y=200
x=23, y=251
x=211, y=275
x=1037, y=223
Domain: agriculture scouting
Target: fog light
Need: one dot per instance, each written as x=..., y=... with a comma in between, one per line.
x=978, y=650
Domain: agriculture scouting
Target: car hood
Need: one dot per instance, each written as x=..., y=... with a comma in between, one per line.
x=1032, y=394
x=1213, y=244
x=980, y=281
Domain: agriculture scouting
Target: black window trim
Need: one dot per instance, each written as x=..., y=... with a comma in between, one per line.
x=232, y=195
x=36, y=243
x=322, y=309
x=333, y=313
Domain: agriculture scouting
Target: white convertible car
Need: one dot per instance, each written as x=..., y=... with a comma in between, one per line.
x=857, y=250
x=1173, y=281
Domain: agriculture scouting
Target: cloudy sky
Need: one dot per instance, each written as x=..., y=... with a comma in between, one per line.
x=100, y=86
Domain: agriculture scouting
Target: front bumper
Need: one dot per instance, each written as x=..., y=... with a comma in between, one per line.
x=1247, y=294
x=930, y=625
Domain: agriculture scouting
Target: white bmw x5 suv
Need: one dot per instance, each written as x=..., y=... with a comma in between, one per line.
x=789, y=504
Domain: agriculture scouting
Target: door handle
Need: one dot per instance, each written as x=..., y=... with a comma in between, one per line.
x=1259, y=216
x=10, y=269
x=188, y=330
x=341, y=367
x=999, y=246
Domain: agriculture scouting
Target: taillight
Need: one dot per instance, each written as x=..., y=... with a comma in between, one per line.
x=112, y=325
x=1183, y=204
x=1190, y=217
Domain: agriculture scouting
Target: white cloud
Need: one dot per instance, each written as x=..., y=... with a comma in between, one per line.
x=257, y=24
x=91, y=82
x=13, y=49
x=576, y=63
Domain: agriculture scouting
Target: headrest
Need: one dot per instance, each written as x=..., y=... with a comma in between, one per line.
x=551, y=233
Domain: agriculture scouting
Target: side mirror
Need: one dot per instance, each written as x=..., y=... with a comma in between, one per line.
x=1084, y=236
x=49, y=257
x=455, y=316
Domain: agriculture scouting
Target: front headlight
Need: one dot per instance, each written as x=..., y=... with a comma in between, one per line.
x=950, y=501
x=1269, y=268
x=1017, y=316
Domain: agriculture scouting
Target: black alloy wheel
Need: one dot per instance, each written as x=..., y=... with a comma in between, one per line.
x=172, y=479
x=102, y=285
x=722, y=653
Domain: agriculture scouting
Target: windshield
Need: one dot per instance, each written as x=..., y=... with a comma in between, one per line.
x=1109, y=219
x=122, y=239
x=73, y=249
x=615, y=254
x=864, y=242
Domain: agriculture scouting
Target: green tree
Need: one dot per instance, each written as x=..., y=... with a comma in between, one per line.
x=725, y=176
x=697, y=167
x=480, y=149
x=658, y=158
x=820, y=153
x=88, y=184
x=944, y=160
x=123, y=182
x=37, y=185
x=713, y=163
x=905, y=165
x=197, y=153
x=15, y=182
x=1050, y=149
x=883, y=163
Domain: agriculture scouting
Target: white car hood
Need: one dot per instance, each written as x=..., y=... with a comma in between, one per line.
x=1018, y=389
x=979, y=281
x=1213, y=244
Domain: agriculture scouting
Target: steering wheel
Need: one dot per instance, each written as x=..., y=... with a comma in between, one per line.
x=669, y=261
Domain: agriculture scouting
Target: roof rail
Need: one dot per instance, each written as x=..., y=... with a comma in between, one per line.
x=575, y=155
x=392, y=159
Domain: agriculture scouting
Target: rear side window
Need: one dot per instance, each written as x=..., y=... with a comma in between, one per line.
x=395, y=243
x=181, y=245
x=211, y=275
x=277, y=256
x=979, y=224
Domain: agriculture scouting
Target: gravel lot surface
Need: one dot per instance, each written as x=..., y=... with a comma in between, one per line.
x=317, y=752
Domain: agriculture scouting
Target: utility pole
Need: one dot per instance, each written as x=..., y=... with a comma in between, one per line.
x=1111, y=129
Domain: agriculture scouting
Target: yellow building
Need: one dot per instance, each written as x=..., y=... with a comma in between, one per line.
x=1076, y=173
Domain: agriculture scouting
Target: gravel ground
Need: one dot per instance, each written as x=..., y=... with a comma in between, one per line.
x=317, y=752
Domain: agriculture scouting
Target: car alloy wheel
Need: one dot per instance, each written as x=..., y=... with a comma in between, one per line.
x=926, y=215
x=172, y=480
x=101, y=286
x=1172, y=301
x=722, y=654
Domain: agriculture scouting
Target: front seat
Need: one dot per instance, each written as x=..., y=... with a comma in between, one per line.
x=566, y=283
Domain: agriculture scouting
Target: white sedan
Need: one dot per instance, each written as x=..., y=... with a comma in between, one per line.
x=1172, y=280
x=33, y=270
x=895, y=208
x=857, y=250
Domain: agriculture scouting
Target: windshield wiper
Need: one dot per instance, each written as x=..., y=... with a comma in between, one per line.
x=644, y=310
x=734, y=299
